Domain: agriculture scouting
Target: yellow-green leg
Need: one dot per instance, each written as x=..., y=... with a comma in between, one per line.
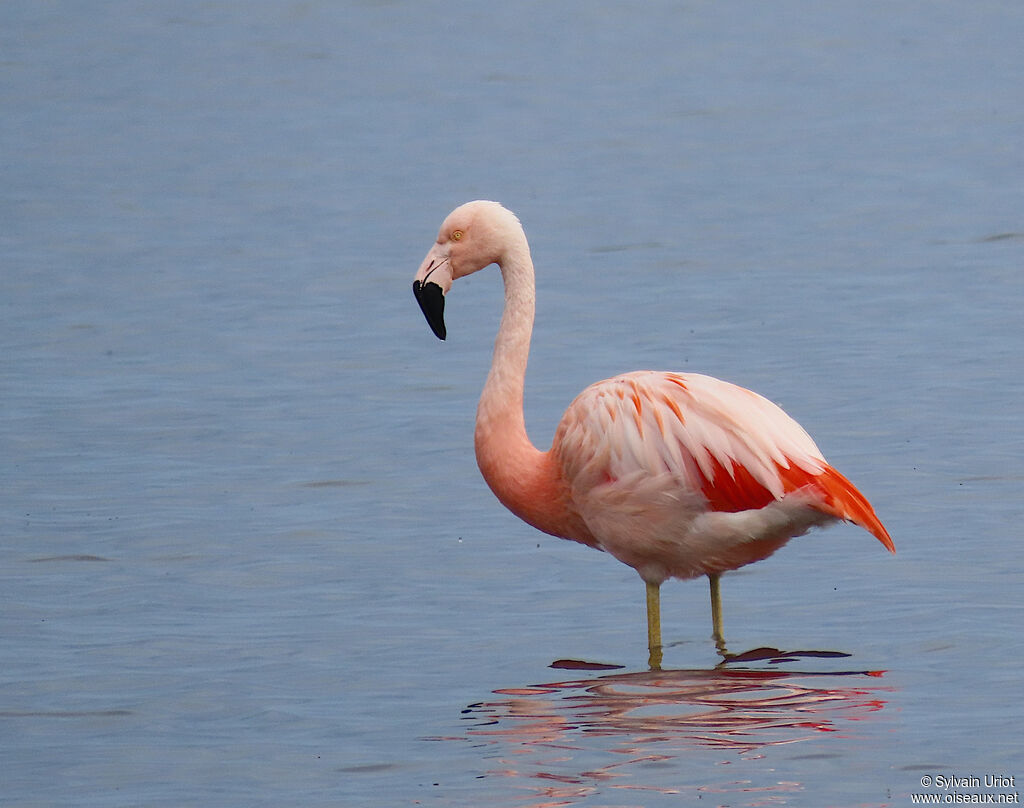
x=654, y=625
x=716, y=608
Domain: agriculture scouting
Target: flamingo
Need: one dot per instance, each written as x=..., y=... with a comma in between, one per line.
x=677, y=475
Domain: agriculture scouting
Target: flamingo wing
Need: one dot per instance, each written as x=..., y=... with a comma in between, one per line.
x=690, y=453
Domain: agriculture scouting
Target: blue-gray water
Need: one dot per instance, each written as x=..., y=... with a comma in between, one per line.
x=247, y=558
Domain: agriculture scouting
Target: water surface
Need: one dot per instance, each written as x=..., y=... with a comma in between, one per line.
x=247, y=558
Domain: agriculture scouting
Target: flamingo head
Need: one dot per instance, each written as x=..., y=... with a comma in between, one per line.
x=473, y=236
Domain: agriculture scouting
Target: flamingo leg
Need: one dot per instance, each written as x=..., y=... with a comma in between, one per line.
x=654, y=625
x=716, y=608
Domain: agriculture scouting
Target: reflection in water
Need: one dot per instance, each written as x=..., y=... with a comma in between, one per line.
x=567, y=740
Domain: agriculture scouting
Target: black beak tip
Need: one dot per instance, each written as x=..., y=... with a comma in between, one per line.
x=431, y=300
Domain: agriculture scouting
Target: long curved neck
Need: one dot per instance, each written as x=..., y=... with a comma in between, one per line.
x=525, y=479
x=501, y=404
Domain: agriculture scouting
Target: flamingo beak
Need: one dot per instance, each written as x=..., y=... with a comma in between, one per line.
x=433, y=281
x=431, y=300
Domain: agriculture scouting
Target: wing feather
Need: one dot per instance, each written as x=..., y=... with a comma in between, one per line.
x=687, y=424
x=717, y=442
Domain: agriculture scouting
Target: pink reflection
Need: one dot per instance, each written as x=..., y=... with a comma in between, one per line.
x=565, y=741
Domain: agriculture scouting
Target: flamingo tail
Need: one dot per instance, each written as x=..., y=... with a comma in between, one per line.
x=842, y=499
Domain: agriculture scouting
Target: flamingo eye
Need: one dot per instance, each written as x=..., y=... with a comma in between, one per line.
x=457, y=235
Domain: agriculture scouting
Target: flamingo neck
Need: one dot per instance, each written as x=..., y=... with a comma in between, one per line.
x=501, y=405
x=526, y=480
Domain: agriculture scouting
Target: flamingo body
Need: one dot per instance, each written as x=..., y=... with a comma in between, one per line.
x=680, y=475
x=675, y=474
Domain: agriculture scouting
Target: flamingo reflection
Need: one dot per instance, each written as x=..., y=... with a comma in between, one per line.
x=567, y=740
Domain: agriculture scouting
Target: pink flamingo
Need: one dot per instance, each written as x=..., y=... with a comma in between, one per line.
x=675, y=474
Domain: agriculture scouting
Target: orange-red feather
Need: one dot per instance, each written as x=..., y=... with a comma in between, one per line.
x=736, y=489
